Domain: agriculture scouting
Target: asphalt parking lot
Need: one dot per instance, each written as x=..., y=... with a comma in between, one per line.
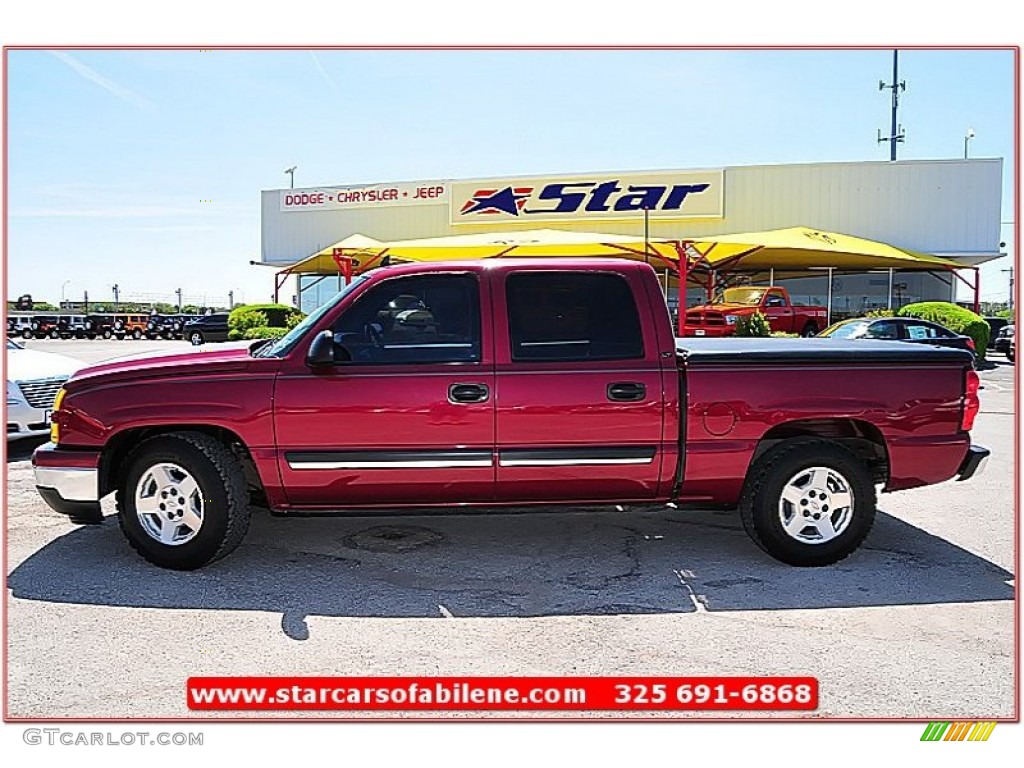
x=919, y=623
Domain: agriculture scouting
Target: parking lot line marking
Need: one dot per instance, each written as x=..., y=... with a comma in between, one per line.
x=698, y=603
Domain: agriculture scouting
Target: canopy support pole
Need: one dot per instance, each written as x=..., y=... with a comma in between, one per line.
x=888, y=303
x=828, y=312
x=279, y=279
x=771, y=276
x=976, y=286
x=977, y=291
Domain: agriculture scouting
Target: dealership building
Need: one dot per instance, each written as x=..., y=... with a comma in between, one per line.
x=948, y=208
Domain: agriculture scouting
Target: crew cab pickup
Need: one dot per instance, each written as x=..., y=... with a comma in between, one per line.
x=719, y=318
x=507, y=383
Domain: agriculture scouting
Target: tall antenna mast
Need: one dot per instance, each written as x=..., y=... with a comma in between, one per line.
x=896, y=134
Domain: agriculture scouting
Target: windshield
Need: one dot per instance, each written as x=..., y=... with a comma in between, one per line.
x=12, y=345
x=286, y=343
x=848, y=329
x=748, y=296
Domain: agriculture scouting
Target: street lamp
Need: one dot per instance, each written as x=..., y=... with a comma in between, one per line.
x=291, y=174
x=65, y=285
x=967, y=137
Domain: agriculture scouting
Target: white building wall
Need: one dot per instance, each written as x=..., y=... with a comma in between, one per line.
x=948, y=207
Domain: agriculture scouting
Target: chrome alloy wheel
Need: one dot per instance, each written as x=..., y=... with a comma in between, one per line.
x=816, y=505
x=169, y=504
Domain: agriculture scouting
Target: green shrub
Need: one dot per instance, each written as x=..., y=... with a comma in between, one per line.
x=784, y=335
x=244, y=319
x=880, y=313
x=957, y=319
x=248, y=316
x=264, y=332
x=753, y=325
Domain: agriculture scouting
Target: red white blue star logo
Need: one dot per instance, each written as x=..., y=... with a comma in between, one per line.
x=509, y=200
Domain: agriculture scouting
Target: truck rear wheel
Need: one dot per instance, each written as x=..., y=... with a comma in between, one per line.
x=809, y=330
x=183, y=502
x=808, y=502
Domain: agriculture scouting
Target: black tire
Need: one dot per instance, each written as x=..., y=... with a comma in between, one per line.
x=762, y=509
x=136, y=334
x=107, y=333
x=54, y=334
x=221, y=486
x=26, y=334
x=196, y=338
x=809, y=330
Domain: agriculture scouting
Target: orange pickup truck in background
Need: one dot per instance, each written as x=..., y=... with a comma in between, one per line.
x=719, y=317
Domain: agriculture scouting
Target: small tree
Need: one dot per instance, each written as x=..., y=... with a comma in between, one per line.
x=753, y=325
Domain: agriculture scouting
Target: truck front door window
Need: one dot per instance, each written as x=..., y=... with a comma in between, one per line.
x=419, y=319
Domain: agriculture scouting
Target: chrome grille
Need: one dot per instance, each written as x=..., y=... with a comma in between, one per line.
x=40, y=393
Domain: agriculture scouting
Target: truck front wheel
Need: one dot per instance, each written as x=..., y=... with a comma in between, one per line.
x=183, y=502
x=808, y=502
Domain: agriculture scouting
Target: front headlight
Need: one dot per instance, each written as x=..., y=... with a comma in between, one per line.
x=731, y=319
x=14, y=396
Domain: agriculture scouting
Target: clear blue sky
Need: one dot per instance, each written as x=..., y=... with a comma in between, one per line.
x=114, y=155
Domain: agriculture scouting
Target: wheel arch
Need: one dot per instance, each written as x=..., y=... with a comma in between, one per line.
x=862, y=438
x=113, y=462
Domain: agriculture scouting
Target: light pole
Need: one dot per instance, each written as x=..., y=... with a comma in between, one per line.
x=291, y=174
x=967, y=137
x=65, y=285
x=178, y=292
x=116, y=293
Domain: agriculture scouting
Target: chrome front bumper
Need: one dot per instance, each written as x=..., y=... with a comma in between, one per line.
x=70, y=483
x=71, y=491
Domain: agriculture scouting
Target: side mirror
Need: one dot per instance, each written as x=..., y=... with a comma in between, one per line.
x=321, y=351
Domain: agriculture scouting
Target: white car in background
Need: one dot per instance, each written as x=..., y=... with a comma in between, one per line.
x=33, y=379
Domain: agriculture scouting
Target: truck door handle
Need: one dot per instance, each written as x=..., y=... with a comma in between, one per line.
x=627, y=391
x=468, y=393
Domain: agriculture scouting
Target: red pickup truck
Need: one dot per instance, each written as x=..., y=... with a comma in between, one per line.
x=518, y=382
x=719, y=318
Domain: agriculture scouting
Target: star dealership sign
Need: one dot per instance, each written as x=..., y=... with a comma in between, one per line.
x=670, y=195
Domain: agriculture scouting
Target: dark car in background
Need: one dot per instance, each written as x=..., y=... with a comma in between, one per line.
x=168, y=326
x=1005, y=339
x=45, y=326
x=101, y=325
x=996, y=325
x=909, y=329
x=207, y=328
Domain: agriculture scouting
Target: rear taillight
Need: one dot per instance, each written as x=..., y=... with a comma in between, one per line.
x=971, y=402
x=970, y=344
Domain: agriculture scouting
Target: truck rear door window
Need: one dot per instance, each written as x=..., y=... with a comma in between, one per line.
x=568, y=316
x=415, y=319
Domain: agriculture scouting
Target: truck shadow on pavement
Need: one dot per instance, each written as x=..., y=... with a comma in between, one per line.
x=590, y=562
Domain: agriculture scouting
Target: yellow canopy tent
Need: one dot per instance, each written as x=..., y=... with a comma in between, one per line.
x=799, y=251
x=369, y=253
x=358, y=253
x=803, y=247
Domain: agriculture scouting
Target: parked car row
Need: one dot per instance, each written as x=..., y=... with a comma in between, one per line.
x=106, y=326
